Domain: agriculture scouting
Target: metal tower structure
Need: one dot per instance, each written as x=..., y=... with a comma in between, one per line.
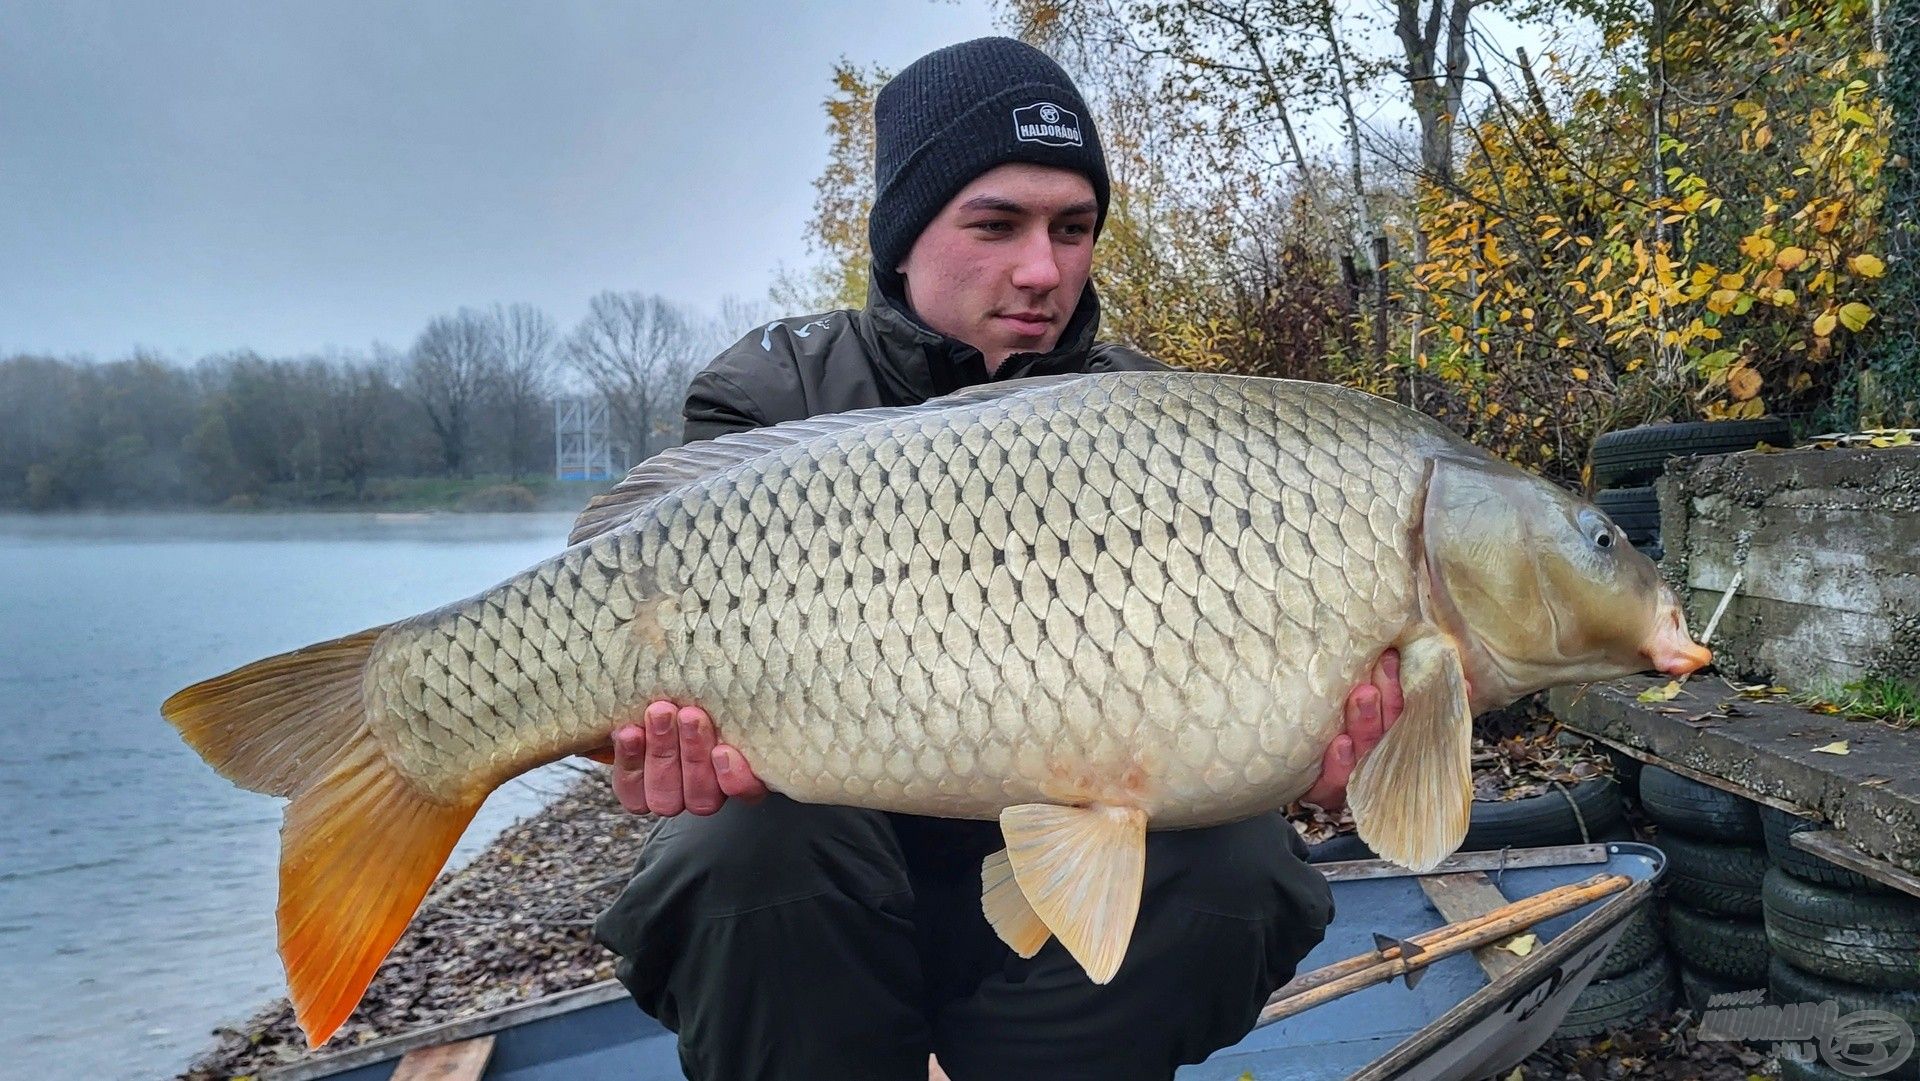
x=582, y=444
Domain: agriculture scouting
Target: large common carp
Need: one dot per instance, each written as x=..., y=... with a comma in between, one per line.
x=1085, y=606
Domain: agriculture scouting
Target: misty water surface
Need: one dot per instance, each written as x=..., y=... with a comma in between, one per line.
x=136, y=885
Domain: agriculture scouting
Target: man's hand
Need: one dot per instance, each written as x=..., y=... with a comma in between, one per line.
x=1371, y=709
x=670, y=763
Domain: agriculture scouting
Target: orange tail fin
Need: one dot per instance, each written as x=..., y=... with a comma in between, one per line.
x=360, y=844
x=359, y=850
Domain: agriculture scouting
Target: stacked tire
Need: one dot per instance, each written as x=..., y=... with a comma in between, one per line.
x=1716, y=863
x=1837, y=936
x=1626, y=463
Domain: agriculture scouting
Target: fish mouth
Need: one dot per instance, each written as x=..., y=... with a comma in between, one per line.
x=1671, y=650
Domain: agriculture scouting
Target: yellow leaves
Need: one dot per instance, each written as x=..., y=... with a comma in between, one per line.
x=1855, y=316
x=1722, y=301
x=1660, y=694
x=1521, y=945
x=1836, y=747
x=1867, y=266
x=1790, y=258
x=1733, y=281
x=1781, y=298
x=1757, y=248
x=1825, y=324
x=1762, y=136
x=1580, y=374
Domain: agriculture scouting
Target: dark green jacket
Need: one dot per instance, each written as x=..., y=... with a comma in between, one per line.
x=881, y=355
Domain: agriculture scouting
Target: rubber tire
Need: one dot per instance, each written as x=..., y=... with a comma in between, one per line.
x=1626, y=771
x=1696, y=987
x=1548, y=819
x=1731, y=949
x=1714, y=877
x=1635, y=947
x=1786, y=984
x=1872, y=940
x=1340, y=847
x=1686, y=806
x=1638, y=455
x=1622, y=1002
x=1779, y=827
x=1635, y=510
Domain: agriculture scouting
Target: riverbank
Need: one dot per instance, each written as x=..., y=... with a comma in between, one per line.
x=512, y=925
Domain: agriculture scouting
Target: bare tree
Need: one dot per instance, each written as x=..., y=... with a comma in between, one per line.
x=448, y=373
x=524, y=337
x=639, y=352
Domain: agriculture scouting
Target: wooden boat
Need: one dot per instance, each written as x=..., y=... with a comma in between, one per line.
x=1469, y=1014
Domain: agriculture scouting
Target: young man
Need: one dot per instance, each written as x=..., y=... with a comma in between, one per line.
x=792, y=941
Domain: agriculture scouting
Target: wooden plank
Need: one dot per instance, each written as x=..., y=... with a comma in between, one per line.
x=1462, y=897
x=505, y=1017
x=1552, y=856
x=463, y=1061
x=1831, y=845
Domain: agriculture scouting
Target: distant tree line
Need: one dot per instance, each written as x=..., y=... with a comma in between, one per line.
x=471, y=397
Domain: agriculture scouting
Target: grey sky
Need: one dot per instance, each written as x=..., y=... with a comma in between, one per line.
x=193, y=177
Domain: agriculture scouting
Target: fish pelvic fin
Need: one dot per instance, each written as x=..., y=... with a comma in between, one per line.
x=1412, y=795
x=1012, y=918
x=275, y=724
x=1081, y=870
x=358, y=851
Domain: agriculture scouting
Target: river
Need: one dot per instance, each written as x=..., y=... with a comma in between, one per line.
x=136, y=885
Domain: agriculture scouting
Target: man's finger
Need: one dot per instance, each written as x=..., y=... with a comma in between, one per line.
x=663, y=761
x=698, y=787
x=1363, y=717
x=1386, y=676
x=736, y=778
x=1336, y=769
x=629, y=754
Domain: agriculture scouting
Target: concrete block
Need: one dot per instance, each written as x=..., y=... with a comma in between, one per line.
x=1830, y=543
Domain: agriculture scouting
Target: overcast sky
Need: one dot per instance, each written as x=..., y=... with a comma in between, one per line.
x=193, y=176
x=197, y=176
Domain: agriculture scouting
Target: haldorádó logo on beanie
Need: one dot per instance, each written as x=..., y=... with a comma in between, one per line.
x=960, y=111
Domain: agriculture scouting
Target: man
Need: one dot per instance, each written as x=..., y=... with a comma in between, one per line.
x=784, y=940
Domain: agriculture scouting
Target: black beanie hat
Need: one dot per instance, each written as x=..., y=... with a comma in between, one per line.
x=956, y=113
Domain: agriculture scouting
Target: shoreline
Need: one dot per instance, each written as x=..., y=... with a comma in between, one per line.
x=511, y=925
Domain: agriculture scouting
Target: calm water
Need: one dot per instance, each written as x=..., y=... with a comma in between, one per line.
x=136, y=885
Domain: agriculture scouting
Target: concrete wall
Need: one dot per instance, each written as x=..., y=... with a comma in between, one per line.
x=1830, y=540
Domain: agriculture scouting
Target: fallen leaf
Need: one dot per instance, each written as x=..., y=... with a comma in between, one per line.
x=1874, y=782
x=1837, y=747
x=1661, y=694
x=1521, y=945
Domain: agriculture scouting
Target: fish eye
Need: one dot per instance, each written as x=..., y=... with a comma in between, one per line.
x=1597, y=528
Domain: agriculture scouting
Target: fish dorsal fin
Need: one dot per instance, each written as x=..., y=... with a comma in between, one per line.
x=1081, y=869
x=680, y=466
x=1412, y=795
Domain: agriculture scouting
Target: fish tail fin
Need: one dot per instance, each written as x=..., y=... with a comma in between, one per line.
x=360, y=844
x=275, y=724
x=1412, y=795
x=358, y=851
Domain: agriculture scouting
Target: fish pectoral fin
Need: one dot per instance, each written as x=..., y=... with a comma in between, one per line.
x=1412, y=795
x=1081, y=870
x=1012, y=918
x=602, y=755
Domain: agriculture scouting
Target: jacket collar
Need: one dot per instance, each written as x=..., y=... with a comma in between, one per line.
x=919, y=362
